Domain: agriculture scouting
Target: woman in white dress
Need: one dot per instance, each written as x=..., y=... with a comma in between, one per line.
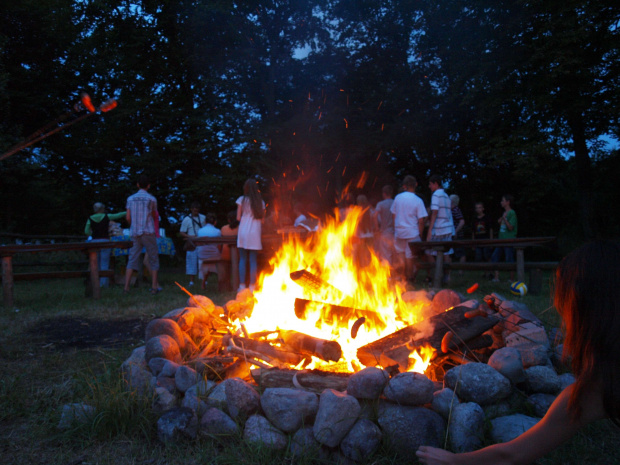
x=250, y=213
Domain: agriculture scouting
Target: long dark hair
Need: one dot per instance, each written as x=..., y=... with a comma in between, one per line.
x=587, y=296
x=251, y=192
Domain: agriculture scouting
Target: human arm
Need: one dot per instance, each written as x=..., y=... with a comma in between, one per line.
x=117, y=216
x=459, y=226
x=553, y=430
x=239, y=212
x=128, y=216
x=87, y=230
x=431, y=223
x=421, y=222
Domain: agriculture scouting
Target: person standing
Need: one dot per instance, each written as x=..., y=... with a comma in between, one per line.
x=408, y=212
x=507, y=230
x=385, y=222
x=440, y=226
x=189, y=228
x=458, y=221
x=482, y=229
x=141, y=215
x=250, y=214
x=210, y=252
x=98, y=227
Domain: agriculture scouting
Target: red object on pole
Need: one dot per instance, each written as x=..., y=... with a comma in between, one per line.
x=85, y=99
x=108, y=105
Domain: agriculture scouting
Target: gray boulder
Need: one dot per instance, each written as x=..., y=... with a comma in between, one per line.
x=478, y=382
x=176, y=424
x=368, y=383
x=162, y=346
x=76, y=413
x=337, y=413
x=410, y=388
x=542, y=379
x=508, y=362
x=216, y=424
x=242, y=400
x=361, y=441
x=407, y=428
x=504, y=429
x=185, y=377
x=289, y=409
x=443, y=401
x=258, y=430
x=466, y=429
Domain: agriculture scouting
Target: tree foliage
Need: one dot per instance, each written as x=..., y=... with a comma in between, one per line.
x=310, y=97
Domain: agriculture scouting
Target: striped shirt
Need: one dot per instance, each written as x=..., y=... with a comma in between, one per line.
x=141, y=206
x=443, y=223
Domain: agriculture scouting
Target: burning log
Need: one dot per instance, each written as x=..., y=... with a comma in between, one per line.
x=313, y=380
x=265, y=349
x=315, y=285
x=396, y=347
x=330, y=351
x=338, y=314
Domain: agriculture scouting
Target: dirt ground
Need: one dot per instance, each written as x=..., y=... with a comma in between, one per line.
x=80, y=333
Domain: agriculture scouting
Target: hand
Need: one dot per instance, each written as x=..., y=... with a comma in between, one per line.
x=432, y=456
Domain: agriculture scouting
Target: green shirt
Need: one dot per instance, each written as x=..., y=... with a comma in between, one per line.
x=99, y=216
x=504, y=232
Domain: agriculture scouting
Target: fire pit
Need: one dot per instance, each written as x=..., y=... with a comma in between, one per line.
x=325, y=338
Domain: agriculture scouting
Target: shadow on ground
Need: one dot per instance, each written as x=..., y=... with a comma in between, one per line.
x=68, y=332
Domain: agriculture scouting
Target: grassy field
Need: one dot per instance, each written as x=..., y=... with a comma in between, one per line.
x=58, y=347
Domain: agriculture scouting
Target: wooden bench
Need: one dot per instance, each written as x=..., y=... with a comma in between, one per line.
x=520, y=265
x=7, y=252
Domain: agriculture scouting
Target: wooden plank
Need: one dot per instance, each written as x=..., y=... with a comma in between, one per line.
x=58, y=275
x=489, y=266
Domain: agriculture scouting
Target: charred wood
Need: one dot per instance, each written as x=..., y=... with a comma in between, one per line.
x=330, y=351
x=265, y=348
x=396, y=347
x=312, y=380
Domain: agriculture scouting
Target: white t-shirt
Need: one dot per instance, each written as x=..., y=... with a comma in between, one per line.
x=443, y=223
x=250, y=229
x=208, y=251
x=190, y=224
x=407, y=208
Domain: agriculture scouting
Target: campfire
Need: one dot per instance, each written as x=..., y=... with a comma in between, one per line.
x=327, y=303
x=329, y=330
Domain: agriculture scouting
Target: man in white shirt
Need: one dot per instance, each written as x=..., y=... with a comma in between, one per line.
x=409, y=213
x=441, y=226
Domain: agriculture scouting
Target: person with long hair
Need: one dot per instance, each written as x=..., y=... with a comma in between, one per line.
x=587, y=297
x=250, y=214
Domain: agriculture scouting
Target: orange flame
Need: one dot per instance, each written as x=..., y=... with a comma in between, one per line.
x=358, y=279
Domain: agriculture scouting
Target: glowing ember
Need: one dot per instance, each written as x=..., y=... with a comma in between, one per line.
x=359, y=280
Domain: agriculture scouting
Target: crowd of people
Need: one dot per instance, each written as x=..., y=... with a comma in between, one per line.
x=388, y=228
x=400, y=220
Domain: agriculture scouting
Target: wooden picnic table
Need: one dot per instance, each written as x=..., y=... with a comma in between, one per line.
x=519, y=244
x=7, y=252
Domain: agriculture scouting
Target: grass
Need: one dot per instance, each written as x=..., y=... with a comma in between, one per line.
x=39, y=375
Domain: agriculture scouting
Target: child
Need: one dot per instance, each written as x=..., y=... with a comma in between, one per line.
x=587, y=298
x=250, y=213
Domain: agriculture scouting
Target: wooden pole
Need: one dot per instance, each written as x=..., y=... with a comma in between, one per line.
x=437, y=281
x=93, y=266
x=7, y=280
x=520, y=264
